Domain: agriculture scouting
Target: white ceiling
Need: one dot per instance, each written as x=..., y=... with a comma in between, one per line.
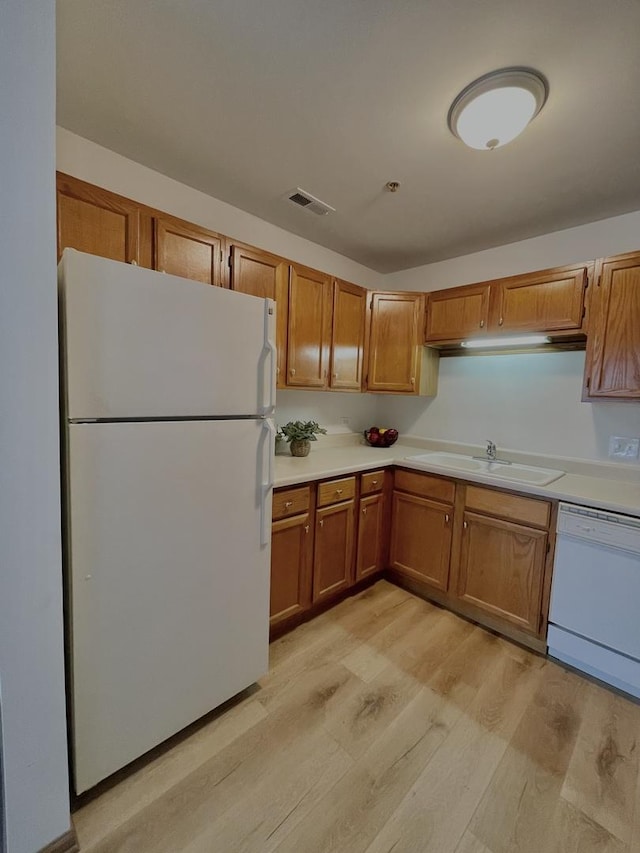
x=247, y=99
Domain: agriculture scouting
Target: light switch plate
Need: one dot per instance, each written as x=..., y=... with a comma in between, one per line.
x=623, y=448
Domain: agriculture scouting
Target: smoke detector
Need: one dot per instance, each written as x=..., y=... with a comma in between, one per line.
x=304, y=199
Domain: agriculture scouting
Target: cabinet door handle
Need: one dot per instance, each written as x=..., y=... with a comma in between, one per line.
x=465, y=525
x=364, y=510
x=481, y=324
x=321, y=522
x=306, y=528
x=446, y=518
x=134, y=263
x=413, y=380
x=500, y=321
x=292, y=371
x=287, y=504
x=335, y=375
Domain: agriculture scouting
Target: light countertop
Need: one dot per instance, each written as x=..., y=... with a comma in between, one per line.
x=594, y=486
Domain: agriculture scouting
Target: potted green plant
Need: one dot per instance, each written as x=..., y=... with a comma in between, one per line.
x=300, y=434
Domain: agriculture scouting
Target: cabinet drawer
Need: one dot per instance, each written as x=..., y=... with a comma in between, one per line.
x=290, y=502
x=526, y=510
x=336, y=490
x=371, y=482
x=425, y=485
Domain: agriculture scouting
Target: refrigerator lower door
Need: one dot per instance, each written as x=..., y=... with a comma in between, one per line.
x=167, y=580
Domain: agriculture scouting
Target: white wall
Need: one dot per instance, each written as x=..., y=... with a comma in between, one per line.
x=529, y=403
x=573, y=245
x=97, y=165
x=327, y=408
x=523, y=402
x=34, y=756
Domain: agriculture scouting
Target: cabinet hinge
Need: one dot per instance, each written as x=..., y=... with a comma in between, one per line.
x=599, y=281
x=548, y=547
x=588, y=382
x=584, y=311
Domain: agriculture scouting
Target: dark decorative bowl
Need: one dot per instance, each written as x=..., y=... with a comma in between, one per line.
x=380, y=437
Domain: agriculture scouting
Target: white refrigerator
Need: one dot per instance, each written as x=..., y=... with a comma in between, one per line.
x=167, y=390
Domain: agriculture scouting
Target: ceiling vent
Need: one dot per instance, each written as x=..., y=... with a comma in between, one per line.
x=304, y=199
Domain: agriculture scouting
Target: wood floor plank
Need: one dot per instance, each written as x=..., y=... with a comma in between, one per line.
x=602, y=774
x=470, y=844
x=525, y=789
x=435, y=812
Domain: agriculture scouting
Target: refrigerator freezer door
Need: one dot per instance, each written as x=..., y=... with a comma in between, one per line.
x=167, y=582
x=141, y=344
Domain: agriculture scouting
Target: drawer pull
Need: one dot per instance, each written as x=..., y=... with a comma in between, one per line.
x=287, y=504
x=339, y=491
x=374, y=482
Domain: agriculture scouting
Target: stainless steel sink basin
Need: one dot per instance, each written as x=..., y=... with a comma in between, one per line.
x=498, y=470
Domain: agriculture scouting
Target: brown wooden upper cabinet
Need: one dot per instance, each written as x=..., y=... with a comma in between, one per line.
x=398, y=362
x=309, y=328
x=613, y=349
x=187, y=250
x=457, y=313
x=261, y=274
x=347, y=338
x=551, y=301
x=97, y=221
x=548, y=301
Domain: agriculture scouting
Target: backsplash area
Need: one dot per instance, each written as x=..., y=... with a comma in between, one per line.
x=329, y=408
x=522, y=402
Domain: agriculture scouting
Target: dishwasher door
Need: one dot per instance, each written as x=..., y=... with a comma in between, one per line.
x=594, y=621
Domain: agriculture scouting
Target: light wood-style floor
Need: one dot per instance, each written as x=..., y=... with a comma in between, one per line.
x=388, y=724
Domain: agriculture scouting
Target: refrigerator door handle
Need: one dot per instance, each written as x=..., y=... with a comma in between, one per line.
x=269, y=405
x=266, y=481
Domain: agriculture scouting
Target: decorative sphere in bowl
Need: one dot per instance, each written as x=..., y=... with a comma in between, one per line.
x=380, y=437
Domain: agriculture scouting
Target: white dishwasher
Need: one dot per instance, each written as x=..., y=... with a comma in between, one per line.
x=594, y=619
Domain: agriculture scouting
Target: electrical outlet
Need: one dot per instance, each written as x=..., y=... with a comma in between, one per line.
x=623, y=448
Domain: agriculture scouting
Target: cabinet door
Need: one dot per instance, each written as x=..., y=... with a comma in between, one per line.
x=502, y=569
x=187, y=250
x=309, y=328
x=347, y=338
x=369, y=548
x=613, y=347
x=97, y=221
x=549, y=301
x=261, y=274
x=421, y=539
x=333, y=550
x=457, y=313
x=291, y=554
x=395, y=342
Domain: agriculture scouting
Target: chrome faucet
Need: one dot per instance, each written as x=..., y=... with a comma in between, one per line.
x=490, y=455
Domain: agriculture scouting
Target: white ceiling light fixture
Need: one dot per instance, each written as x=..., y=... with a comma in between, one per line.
x=497, y=107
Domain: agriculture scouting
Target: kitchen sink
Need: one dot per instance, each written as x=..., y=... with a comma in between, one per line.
x=498, y=470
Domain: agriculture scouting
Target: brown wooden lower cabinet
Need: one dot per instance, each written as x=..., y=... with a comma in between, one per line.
x=291, y=558
x=333, y=551
x=502, y=569
x=370, y=545
x=421, y=539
